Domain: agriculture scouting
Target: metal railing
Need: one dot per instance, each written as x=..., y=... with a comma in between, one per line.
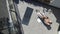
x=14, y=28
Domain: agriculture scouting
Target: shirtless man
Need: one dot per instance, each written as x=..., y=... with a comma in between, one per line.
x=46, y=19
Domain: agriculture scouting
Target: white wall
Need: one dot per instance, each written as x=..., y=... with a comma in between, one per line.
x=55, y=3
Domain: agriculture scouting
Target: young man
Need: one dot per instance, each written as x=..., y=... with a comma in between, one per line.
x=46, y=19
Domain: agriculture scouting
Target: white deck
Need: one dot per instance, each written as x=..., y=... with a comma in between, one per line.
x=33, y=26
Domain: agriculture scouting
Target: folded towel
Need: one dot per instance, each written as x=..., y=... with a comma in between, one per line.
x=38, y=20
